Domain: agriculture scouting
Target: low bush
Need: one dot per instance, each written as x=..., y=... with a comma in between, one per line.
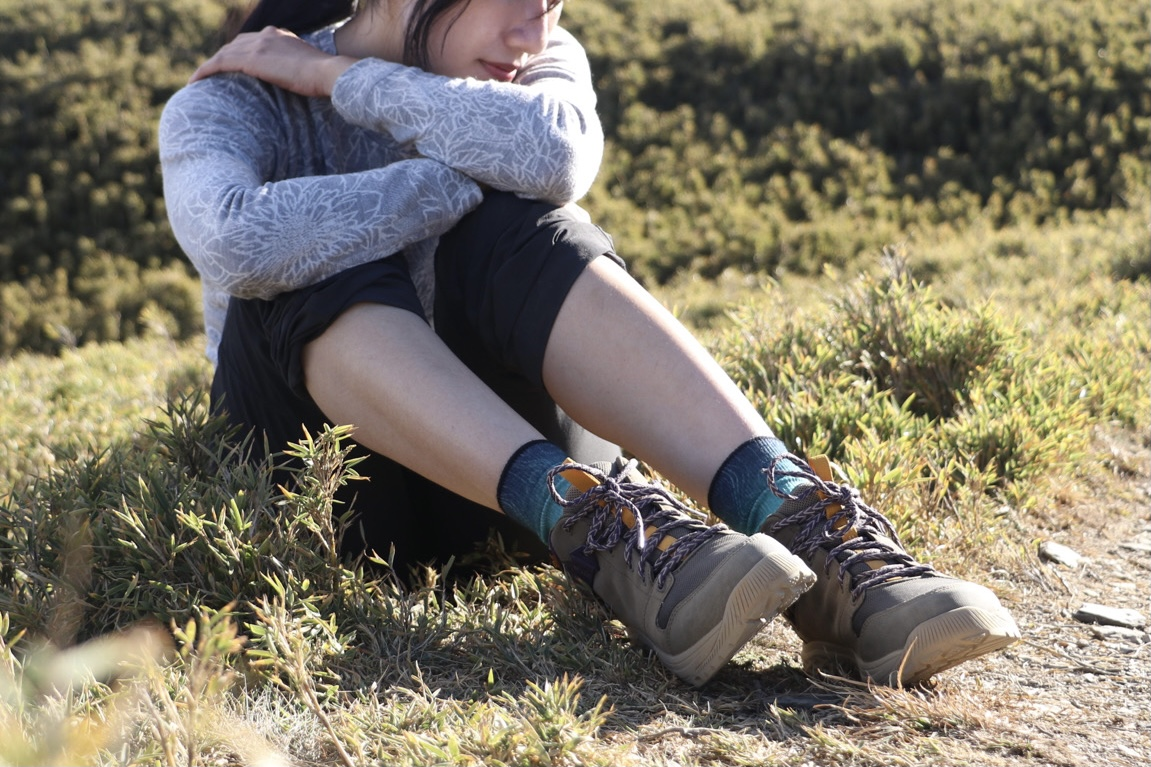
x=992, y=395
x=791, y=135
x=177, y=531
x=216, y=623
x=763, y=137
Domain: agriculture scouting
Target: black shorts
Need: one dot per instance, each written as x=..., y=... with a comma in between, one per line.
x=502, y=275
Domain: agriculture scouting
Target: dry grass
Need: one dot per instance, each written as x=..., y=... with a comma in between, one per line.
x=550, y=683
x=318, y=661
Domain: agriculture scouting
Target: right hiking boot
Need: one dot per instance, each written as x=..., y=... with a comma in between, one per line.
x=693, y=593
x=874, y=610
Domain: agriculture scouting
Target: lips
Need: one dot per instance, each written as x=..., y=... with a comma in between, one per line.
x=504, y=73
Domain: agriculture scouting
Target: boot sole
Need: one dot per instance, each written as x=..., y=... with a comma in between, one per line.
x=936, y=645
x=768, y=589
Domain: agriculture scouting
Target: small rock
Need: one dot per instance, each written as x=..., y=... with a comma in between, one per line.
x=1059, y=554
x=1117, y=633
x=1110, y=616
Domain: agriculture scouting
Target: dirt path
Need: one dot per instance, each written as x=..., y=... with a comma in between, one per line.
x=1074, y=693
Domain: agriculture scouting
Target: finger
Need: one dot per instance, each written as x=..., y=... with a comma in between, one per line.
x=231, y=51
x=207, y=69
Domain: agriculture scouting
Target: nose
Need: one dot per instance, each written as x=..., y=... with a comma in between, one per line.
x=532, y=27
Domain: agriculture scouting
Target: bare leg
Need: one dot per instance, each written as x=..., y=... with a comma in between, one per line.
x=384, y=370
x=622, y=366
x=617, y=362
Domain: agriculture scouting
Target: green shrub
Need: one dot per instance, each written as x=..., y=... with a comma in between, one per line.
x=107, y=298
x=840, y=127
x=178, y=522
x=85, y=81
x=980, y=399
x=896, y=334
x=759, y=136
x=80, y=187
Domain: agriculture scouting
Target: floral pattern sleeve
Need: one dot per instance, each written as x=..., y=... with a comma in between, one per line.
x=539, y=136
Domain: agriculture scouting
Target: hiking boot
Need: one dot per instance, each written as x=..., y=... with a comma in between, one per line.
x=873, y=608
x=693, y=593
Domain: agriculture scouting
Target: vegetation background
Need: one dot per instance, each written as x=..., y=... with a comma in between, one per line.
x=915, y=233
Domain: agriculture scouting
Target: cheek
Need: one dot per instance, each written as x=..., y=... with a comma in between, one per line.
x=448, y=61
x=450, y=50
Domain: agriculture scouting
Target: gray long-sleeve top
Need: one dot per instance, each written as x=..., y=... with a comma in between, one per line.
x=269, y=192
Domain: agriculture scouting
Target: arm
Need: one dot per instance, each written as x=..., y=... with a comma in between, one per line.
x=255, y=237
x=539, y=136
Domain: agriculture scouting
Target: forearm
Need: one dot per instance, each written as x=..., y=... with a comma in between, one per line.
x=255, y=223
x=538, y=136
x=260, y=241
x=526, y=140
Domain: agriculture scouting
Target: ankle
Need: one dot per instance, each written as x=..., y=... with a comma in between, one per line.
x=524, y=491
x=755, y=482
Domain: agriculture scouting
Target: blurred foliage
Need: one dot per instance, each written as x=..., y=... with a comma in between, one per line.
x=87, y=253
x=84, y=81
x=798, y=133
x=762, y=137
x=54, y=408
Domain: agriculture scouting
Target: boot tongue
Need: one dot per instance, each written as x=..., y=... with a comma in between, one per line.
x=582, y=482
x=822, y=467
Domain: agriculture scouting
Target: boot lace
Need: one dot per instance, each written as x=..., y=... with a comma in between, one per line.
x=818, y=530
x=651, y=505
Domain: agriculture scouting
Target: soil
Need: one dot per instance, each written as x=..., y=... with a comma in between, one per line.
x=1074, y=693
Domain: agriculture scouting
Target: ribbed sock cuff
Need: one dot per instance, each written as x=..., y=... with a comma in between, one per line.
x=523, y=492
x=739, y=494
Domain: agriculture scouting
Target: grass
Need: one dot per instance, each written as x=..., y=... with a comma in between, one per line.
x=162, y=602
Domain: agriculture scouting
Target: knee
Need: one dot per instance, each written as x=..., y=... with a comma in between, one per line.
x=503, y=222
x=509, y=231
x=509, y=208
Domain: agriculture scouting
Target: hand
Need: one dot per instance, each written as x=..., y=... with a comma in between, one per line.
x=280, y=58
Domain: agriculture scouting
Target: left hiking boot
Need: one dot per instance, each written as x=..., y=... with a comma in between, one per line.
x=874, y=609
x=694, y=593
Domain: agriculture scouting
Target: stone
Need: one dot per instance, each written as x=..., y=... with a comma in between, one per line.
x=1117, y=633
x=1059, y=554
x=1110, y=616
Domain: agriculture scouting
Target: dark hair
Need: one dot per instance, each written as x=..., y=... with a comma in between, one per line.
x=302, y=16
x=424, y=15
x=297, y=16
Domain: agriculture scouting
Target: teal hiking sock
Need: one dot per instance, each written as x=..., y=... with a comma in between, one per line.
x=524, y=492
x=739, y=493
